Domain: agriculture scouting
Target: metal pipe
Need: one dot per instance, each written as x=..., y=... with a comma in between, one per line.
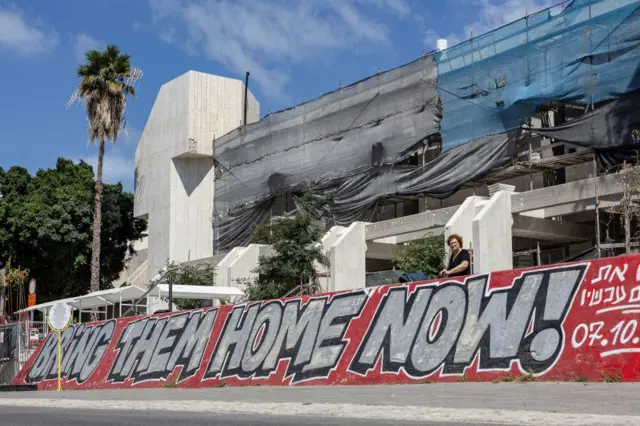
x=597, y=206
x=246, y=94
x=627, y=219
x=170, y=292
x=627, y=231
x=152, y=285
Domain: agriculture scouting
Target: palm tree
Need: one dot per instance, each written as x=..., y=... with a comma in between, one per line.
x=106, y=79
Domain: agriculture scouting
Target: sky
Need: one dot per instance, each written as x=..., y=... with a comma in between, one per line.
x=295, y=50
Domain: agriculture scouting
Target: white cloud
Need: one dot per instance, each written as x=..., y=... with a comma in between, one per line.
x=266, y=36
x=136, y=25
x=83, y=43
x=130, y=135
x=22, y=36
x=401, y=7
x=117, y=167
x=494, y=14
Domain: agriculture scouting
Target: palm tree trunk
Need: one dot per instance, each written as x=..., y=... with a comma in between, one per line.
x=97, y=227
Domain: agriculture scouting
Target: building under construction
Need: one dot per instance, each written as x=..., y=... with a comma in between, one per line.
x=546, y=106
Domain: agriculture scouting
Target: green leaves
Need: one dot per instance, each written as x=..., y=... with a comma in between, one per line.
x=295, y=242
x=45, y=226
x=424, y=256
x=106, y=79
x=198, y=274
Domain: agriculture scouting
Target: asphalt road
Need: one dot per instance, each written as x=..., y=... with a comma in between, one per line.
x=57, y=417
x=533, y=403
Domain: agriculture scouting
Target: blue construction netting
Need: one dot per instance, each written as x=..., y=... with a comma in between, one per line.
x=492, y=83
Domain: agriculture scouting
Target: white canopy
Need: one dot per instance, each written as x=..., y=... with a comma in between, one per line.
x=125, y=295
x=181, y=291
x=94, y=300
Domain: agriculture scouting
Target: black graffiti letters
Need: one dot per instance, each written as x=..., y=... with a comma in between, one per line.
x=99, y=347
x=329, y=344
x=234, y=338
x=263, y=335
x=439, y=330
x=396, y=322
x=447, y=326
x=151, y=348
x=257, y=337
x=79, y=351
x=190, y=348
x=495, y=323
x=296, y=335
x=543, y=345
x=66, y=339
x=444, y=328
x=164, y=347
x=82, y=349
x=42, y=362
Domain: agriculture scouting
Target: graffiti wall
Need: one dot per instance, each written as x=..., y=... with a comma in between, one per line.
x=569, y=322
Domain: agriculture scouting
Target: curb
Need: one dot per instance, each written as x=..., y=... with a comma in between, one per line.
x=18, y=388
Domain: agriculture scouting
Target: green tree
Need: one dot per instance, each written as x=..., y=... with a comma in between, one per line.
x=198, y=274
x=106, y=79
x=425, y=256
x=45, y=226
x=295, y=241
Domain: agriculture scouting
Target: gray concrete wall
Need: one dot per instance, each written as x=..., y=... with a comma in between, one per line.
x=174, y=173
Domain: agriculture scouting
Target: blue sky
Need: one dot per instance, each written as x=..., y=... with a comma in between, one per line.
x=295, y=50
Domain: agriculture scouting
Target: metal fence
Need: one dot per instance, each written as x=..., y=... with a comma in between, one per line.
x=9, y=352
x=18, y=341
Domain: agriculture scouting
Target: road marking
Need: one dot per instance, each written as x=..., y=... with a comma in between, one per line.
x=355, y=411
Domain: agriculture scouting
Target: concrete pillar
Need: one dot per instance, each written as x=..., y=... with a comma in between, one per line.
x=244, y=265
x=492, y=234
x=240, y=263
x=348, y=259
x=422, y=203
x=327, y=241
x=191, y=201
x=222, y=277
x=461, y=222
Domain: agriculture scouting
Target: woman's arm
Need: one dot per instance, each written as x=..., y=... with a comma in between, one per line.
x=461, y=267
x=465, y=258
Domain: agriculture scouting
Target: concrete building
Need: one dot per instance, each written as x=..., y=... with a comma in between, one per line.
x=509, y=217
x=524, y=191
x=174, y=168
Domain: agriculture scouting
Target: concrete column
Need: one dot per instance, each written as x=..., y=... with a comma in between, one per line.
x=492, y=234
x=222, y=275
x=240, y=263
x=244, y=265
x=461, y=222
x=348, y=259
x=191, y=198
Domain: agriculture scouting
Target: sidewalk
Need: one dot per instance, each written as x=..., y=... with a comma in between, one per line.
x=503, y=403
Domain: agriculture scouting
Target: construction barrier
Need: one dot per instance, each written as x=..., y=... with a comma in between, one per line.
x=574, y=321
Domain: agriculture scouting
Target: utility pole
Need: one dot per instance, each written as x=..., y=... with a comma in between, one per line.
x=246, y=96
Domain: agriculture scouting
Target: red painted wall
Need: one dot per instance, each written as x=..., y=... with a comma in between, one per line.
x=569, y=322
